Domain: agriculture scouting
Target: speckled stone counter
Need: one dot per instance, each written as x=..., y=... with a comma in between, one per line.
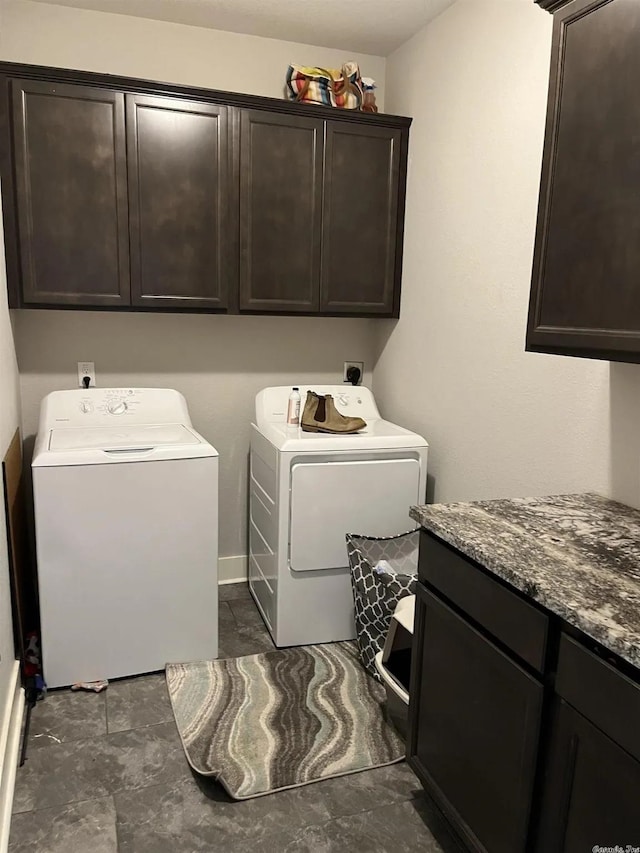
x=576, y=555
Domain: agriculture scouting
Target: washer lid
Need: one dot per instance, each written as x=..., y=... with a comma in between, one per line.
x=124, y=437
x=123, y=443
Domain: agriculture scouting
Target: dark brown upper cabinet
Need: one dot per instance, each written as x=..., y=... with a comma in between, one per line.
x=362, y=219
x=71, y=190
x=280, y=211
x=585, y=298
x=133, y=195
x=177, y=155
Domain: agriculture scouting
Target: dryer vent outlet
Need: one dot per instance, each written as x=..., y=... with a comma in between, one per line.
x=353, y=372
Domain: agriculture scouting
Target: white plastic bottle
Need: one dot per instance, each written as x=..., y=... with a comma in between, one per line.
x=293, y=410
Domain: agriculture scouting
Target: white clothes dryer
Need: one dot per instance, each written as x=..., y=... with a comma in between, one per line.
x=126, y=515
x=307, y=490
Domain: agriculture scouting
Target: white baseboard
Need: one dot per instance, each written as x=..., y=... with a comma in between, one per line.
x=10, y=729
x=232, y=569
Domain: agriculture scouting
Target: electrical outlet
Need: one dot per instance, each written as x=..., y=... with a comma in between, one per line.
x=86, y=368
x=347, y=365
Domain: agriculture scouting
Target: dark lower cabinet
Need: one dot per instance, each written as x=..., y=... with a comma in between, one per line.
x=71, y=189
x=540, y=756
x=591, y=789
x=178, y=201
x=362, y=219
x=280, y=211
x=474, y=728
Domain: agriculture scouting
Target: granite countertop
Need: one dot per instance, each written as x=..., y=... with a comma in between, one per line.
x=576, y=555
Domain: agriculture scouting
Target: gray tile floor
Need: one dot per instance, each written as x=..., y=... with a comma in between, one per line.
x=106, y=773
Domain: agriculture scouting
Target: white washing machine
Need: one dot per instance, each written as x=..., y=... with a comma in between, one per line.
x=126, y=515
x=307, y=491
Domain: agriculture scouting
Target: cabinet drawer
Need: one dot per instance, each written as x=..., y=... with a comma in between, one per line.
x=601, y=692
x=504, y=614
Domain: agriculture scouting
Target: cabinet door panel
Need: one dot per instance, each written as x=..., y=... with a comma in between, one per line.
x=280, y=212
x=474, y=726
x=585, y=291
x=177, y=155
x=591, y=789
x=71, y=188
x=360, y=251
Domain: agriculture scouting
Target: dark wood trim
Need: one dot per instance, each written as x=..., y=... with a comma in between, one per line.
x=181, y=309
x=561, y=786
x=609, y=344
x=552, y=5
x=546, y=179
x=583, y=350
x=232, y=250
x=402, y=195
x=9, y=206
x=234, y=99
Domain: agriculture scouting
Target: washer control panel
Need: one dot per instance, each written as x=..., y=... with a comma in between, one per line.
x=111, y=401
x=87, y=407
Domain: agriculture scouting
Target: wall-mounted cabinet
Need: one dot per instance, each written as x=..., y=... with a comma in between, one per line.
x=125, y=194
x=585, y=298
x=281, y=174
x=362, y=222
x=179, y=226
x=71, y=194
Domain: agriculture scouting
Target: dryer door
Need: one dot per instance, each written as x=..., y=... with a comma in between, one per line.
x=330, y=499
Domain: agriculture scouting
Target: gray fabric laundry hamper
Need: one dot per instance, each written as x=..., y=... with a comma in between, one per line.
x=376, y=591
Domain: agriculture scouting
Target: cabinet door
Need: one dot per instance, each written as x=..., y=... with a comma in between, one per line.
x=71, y=187
x=474, y=719
x=280, y=212
x=585, y=298
x=362, y=221
x=178, y=176
x=592, y=789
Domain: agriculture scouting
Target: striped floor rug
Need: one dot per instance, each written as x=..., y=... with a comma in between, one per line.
x=280, y=719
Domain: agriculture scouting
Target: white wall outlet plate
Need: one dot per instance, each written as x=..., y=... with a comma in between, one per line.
x=86, y=368
x=347, y=365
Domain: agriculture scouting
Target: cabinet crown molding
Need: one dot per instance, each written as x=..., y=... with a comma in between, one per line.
x=552, y=5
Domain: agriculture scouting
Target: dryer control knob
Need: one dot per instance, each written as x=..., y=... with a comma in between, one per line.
x=117, y=407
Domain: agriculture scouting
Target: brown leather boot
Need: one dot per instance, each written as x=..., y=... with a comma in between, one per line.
x=321, y=415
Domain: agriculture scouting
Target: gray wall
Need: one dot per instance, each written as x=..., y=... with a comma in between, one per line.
x=219, y=363
x=501, y=422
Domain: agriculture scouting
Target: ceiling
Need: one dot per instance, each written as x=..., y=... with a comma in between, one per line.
x=364, y=26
